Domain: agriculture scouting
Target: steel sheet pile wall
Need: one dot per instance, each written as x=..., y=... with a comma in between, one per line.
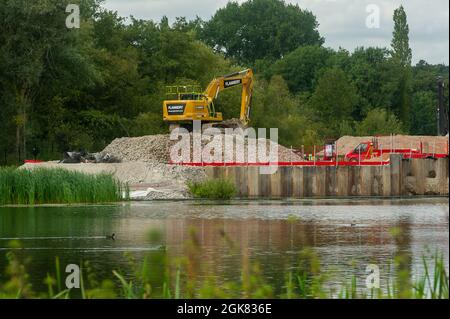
x=402, y=177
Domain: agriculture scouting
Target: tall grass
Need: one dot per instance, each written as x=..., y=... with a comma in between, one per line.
x=57, y=186
x=213, y=189
x=436, y=286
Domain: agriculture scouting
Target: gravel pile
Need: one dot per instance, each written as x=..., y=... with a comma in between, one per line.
x=430, y=144
x=151, y=193
x=151, y=148
x=156, y=149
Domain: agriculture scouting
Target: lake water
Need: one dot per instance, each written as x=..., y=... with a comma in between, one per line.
x=346, y=235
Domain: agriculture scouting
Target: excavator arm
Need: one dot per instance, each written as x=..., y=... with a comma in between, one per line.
x=244, y=78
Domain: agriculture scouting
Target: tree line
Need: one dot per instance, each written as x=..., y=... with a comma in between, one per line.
x=66, y=89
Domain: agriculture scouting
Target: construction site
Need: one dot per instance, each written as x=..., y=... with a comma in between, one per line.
x=258, y=150
x=144, y=163
x=395, y=165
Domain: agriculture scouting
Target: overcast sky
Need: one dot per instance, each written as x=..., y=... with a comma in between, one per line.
x=342, y=22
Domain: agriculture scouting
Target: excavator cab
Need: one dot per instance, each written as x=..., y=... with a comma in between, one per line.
x=187, y=103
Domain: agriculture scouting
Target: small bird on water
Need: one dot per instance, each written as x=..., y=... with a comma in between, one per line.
x=113, y=236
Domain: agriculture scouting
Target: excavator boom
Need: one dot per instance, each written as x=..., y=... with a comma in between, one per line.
x=244, y=78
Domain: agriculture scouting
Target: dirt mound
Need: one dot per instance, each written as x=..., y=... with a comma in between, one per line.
x=156, y=149
x=430, y=144
x=151, y=148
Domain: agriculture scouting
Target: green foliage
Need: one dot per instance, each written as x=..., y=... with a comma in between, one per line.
x=213, y=189
x=424, y=109
x=424, y=98
x=372, y=74
x=334, y=99
x=260, y=29
x=148, y=124
x=56, y=186
x=379, y=122
x=91, y=85
x=401, y=51
x=33, y=53
x=300, y=67
x=403, y=97
x=69, y=89
x=276, y=107
x=401, y=55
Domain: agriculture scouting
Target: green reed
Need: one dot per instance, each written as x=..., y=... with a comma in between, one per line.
x=213, y=189
x=57, y=186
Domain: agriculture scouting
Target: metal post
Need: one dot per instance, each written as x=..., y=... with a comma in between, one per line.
x=314, y=155
x=441, y=114
x=290, y=155
x=381, y=154
x=393, y=143
x=337, y=154
x=359, y=157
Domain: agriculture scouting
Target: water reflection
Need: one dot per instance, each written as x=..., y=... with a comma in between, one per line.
x=347, y=236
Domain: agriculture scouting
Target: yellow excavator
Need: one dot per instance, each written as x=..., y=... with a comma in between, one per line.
x=188, y=104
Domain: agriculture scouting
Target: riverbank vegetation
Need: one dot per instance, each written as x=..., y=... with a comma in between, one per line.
x=57, y=186
x=68, y=89
x=213, y=189
x=160, y=276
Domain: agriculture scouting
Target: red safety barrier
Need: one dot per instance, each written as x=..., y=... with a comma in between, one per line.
x=306, y=163
x=317, y=163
